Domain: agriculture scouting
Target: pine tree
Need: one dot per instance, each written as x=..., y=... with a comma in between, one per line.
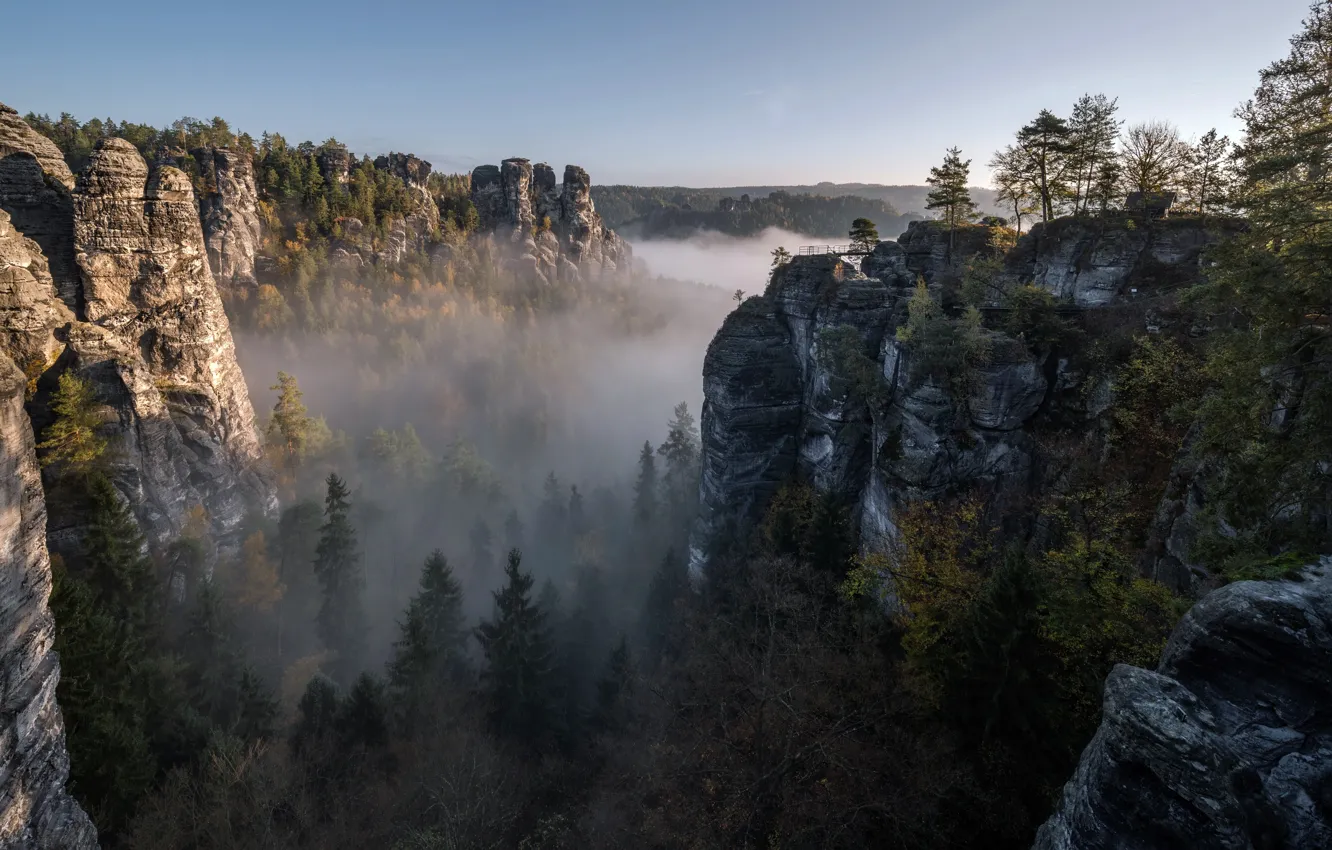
x=681, y=453
x=430, y=647
x=1043, y=148
x=290, y=429
x=317, y=713
x=1269, y=288
x=72, y=443
x=258, y=712
x=950, y=193
x=1205, y=178
x=519, y=661
x=645, y=488
x=341, y=620
x=1093, y=130
x=213, y=664
x=106, y=608
x=362, y=718
x=864, y=235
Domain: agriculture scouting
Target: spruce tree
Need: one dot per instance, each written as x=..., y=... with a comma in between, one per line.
x=106, y=607
x=430, y=647
x=645, y=487
x=681, y=452
x=950, y=193
x=519, y=661
x=341, y=620
x=613, y=687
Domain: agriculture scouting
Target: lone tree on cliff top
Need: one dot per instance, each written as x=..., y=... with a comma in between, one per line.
x=950, y=192
x=864, y=235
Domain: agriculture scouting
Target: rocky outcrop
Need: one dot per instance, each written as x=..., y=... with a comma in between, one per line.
x=35, y=810
x=160, y=346
x=1228, y=744
x=1092, y=261
x=547, y=231
x=229, y=213
x=334, y=163
x=29, y=309
x=875, y=431
x=34, y=189
x=913, y=436
x=413, y=233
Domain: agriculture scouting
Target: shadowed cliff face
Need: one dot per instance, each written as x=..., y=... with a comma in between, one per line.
x=776, y=407
x=1228, y=744
x=35, y=811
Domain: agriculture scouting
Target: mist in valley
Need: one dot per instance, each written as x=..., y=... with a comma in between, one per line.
x=485, y=434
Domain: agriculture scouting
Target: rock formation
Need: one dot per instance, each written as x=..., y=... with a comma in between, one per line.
x=229, y=214
x=141, y=317
x=773, y=408
x=546, y=231
x=413, y=233
x=159, y=346
x=34, y=189
x=1228, y=744
x=35, y=811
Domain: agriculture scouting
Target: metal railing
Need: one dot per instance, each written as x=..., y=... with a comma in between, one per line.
x=839, y=250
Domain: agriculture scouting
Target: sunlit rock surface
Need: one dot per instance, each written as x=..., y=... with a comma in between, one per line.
x=229, y=214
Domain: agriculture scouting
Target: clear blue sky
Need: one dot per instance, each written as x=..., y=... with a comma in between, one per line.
x=691, y=92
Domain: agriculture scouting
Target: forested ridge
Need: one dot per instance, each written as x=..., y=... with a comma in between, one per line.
x=459, y=632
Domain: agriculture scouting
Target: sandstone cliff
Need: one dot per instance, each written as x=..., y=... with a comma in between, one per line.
x=547, y=232
x=35, y=811
x=1228, y=744
x=773, y=408
x=139, y=314
x=229, y=214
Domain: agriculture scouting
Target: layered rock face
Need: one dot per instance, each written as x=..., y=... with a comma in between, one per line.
x=141, y=317
x=917, y=437
x=546, y=231
x=159, y=346
x=1228, y=744
x=34, y=189
x=229, y=214
x=35, y=811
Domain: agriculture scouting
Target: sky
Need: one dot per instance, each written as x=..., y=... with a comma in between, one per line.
x=686, y=92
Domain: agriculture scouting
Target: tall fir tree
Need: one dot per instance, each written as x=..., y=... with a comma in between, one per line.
x=517, y=680
x=681, y=453
x=950, y=194
x=645, y=487
x=430, y=650
x=341, y=621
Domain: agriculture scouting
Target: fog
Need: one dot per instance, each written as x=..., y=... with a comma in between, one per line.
x=501, y=398
x=714, y=258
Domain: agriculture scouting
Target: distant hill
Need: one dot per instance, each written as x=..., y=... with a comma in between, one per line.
x=823, y=210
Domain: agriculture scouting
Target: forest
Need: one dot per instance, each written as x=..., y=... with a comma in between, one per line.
x=470, y=624
x=650, y=213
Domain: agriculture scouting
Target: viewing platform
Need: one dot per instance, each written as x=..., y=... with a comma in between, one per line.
x=839, y=250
